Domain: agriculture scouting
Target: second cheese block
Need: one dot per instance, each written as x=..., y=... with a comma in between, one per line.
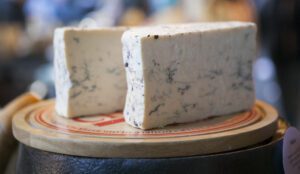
x=89, y=71
x=188, y=72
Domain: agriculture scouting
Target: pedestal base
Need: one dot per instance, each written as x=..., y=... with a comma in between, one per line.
x=263, y=159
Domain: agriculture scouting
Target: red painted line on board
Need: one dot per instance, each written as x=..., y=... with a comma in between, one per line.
x=105, y=123
x=231, y=123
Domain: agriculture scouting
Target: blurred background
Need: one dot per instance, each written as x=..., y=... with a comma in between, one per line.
x=26, y=29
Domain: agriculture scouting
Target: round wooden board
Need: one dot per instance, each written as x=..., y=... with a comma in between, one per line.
x=40, y=127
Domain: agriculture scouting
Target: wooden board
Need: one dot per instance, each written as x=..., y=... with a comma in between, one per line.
x=267, y=155
x=40, y=127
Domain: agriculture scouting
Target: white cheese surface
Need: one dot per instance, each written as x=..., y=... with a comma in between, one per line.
x=89, y=71
x=188, y=72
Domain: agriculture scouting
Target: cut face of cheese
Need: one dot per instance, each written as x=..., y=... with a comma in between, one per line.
x=188, y=72
x=89, y=71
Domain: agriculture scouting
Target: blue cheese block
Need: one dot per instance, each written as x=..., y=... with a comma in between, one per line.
x=187, y=72
x=89, y=71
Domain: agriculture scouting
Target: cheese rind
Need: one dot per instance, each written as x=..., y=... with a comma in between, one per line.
x=89, y=71
x=184, y=73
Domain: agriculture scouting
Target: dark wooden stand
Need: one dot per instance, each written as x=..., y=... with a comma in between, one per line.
x=263, y=159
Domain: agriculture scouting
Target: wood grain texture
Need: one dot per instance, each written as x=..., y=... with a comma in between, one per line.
x=7, y=141
x=40, y=127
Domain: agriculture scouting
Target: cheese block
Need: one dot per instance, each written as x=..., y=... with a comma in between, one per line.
x=187, y=72
x=89, y=71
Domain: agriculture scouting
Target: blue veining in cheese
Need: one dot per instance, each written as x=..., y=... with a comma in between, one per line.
x=89, y=71
x=188, y=72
